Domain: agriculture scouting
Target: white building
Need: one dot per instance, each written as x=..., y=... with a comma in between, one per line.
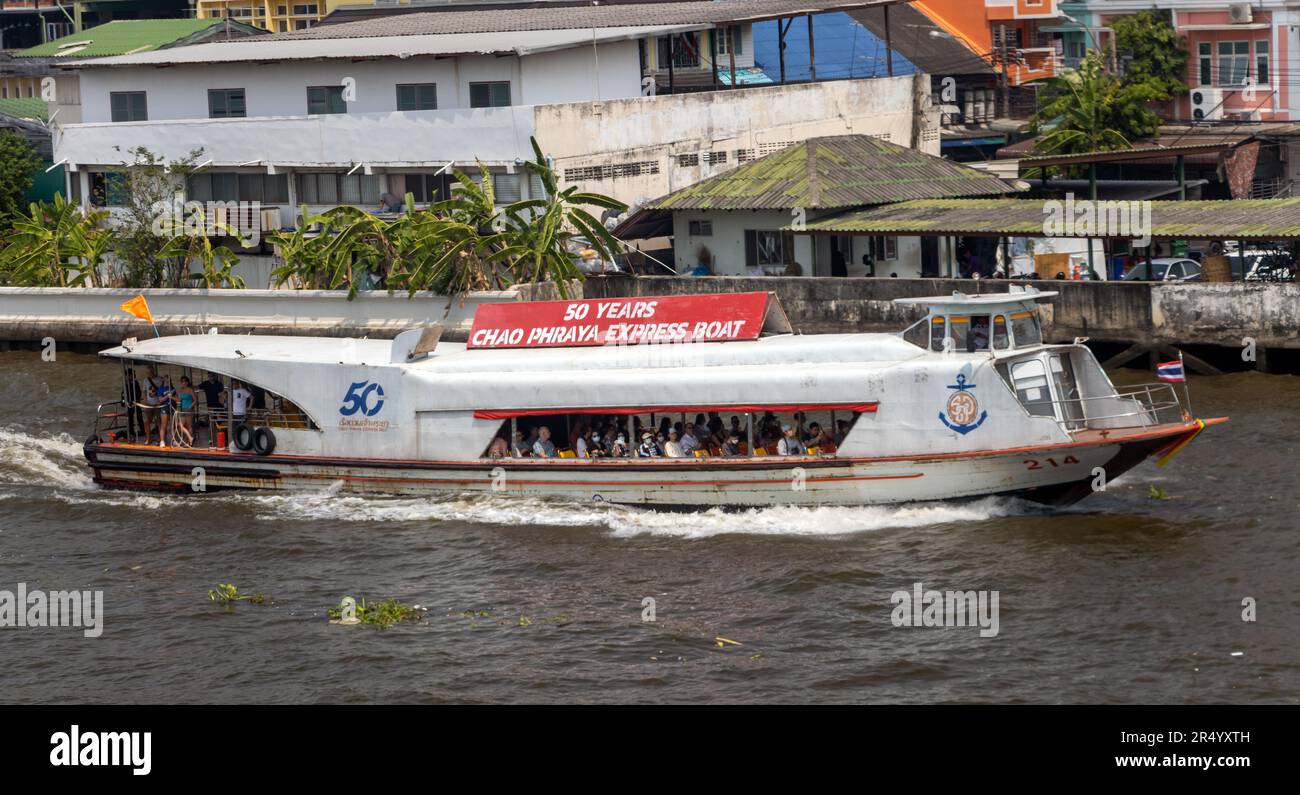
x=343, y=113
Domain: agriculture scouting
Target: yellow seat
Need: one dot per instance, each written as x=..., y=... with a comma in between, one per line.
x=759, y=451
x=568, y=454
x=701, y=453
x=814, y=451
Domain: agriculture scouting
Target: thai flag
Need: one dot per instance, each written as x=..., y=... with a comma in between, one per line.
x=1171, y=371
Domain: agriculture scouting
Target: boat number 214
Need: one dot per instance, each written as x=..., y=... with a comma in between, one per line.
x=1035, y=463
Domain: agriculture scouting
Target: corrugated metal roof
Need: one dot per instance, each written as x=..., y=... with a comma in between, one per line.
x=1255, y=219
x=547, y=16
x=830, y=173
x=269, y=48
x=25, y=108
x=127, y=36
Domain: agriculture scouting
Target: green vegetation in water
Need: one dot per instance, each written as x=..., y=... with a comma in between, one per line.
x=522, y=622
x=1157, y=493
x=381, y=614
x=228, y=594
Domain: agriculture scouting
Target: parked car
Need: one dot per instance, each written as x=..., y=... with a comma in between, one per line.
x=1165, y=269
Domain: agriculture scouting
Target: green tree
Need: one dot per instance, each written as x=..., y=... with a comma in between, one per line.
x=194, y=246
x=1152, y=53
x=466, y=242
x=57, y=245
x=17, y=162
x=149, y=189
x=1090, y=110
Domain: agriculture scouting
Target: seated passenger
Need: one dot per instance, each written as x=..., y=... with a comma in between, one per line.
x=673, y=448
x=649, y=448
x=499, y=448
x=731, y=447
x=689, y=442
x=820, y=439
x=544, y=447
x=520, y=448
x=618, y=449
x=594, y=448
x=585, y=446
x=790, y=444
x=841, y=430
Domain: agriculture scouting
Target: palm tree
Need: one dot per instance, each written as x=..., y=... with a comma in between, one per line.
x=463, y=243
x=1090, y=110
x=57, y=245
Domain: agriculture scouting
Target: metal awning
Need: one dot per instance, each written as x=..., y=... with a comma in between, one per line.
x=1241, y=219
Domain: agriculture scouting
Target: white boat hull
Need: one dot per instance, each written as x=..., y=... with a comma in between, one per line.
x=1059, y=474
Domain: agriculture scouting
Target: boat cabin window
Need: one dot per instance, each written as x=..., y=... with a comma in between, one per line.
x=1029, y=379
x=969, y=333
x=938, y=330
x=1025, y=330
x=682, y=434
x=1001, y=340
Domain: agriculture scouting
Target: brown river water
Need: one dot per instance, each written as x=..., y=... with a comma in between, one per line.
x=1124, y=598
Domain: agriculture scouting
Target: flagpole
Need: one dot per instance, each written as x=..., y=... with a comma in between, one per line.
x=1187, y=387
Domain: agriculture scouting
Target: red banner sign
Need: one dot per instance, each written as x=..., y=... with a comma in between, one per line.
x=620, y=321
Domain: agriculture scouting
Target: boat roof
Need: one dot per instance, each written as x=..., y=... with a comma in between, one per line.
x=1016, y=295
x=209, y=350
x=319, y=350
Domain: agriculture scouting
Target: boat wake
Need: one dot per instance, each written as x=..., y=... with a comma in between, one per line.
x=53, y=461
x=625, y=521
x=56, y=464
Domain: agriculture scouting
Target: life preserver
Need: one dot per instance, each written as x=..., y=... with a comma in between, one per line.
x=263, y=441
x=243, y=437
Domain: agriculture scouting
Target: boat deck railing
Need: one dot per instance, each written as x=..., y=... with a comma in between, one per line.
x=113, y=423
x=1140, y=406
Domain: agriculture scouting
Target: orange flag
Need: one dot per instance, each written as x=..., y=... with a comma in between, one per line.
x=139, y=307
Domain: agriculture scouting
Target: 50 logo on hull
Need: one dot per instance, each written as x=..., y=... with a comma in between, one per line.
x=364, y=397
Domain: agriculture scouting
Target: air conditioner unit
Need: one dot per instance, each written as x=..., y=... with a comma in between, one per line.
x=1207, y=104
x=1240, y=13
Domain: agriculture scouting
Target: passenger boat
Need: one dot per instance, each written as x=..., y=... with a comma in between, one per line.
x=967, y=402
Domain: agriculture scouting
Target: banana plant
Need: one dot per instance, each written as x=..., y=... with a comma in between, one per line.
x=56, y=245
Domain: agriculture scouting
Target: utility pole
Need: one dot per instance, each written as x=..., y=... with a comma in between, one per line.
x=1002, y=56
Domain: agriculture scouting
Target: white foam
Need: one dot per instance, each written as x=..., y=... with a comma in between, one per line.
x=52, y=461
x=624, y=521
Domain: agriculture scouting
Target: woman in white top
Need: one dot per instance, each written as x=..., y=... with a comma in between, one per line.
x=672, y=447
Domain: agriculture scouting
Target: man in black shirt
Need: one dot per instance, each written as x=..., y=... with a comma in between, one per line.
x=212, y=390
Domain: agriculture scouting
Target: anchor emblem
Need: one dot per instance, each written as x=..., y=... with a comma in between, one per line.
x=963, y=407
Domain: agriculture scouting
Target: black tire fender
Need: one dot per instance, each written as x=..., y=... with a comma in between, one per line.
x=243, y=437
x=263, y=441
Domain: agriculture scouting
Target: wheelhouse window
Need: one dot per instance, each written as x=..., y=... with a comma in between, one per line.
x=226, y=103
x=325, y=99
x=489, y=95
x=1025, y=330
x=1001, y=340
x=128, y=106
x=938, y=331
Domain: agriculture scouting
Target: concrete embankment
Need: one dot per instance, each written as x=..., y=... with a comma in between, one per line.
x=1116, y=312
x=93, y=317
x=1144, y=317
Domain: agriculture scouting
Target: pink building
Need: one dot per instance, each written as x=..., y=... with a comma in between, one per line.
x=1244, y=60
